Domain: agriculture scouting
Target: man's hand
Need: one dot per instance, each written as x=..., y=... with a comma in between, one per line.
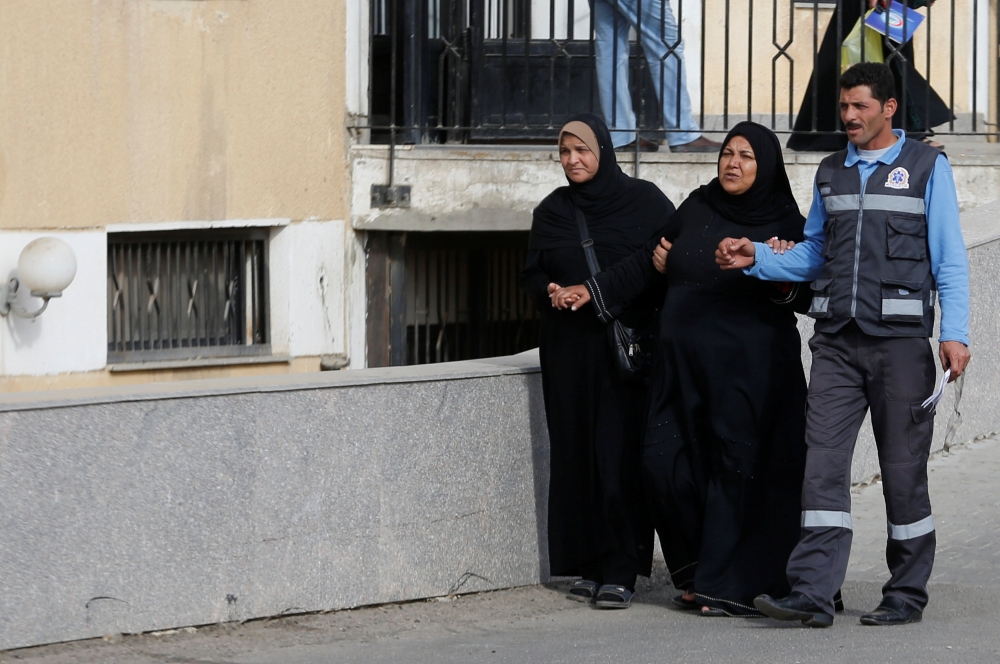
x=780, y=246
x=571, y=297
x=734, y=254
x=955, y=356
x=660, y=255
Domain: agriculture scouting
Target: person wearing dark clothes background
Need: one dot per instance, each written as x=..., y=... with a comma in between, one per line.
x=724, y=448
x=597, y=524
x=924, y=109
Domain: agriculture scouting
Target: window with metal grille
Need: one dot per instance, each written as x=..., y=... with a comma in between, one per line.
x=187, y=295
x=440, y=297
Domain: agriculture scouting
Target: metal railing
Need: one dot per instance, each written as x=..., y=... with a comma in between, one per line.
x=186, y=295
x=514, y=70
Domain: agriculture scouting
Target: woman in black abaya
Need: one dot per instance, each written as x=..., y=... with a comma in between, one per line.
x=597, y=524
x=923, y=110
x=724, y=448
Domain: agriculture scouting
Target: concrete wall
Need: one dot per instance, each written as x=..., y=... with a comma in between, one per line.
x=496, y=188
x=210, y=501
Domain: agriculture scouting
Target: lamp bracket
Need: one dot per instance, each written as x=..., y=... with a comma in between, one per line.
x=10, y=305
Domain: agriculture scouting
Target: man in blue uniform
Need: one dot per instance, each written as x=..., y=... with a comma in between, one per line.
x=881, y=241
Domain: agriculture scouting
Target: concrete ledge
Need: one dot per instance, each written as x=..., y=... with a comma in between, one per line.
x=228, y=500
x=490, y=188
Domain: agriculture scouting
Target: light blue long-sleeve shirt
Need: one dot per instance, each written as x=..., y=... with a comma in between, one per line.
x=949, y=260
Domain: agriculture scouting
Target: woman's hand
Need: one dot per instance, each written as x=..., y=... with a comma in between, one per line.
x=571, y=297
x=779, y=246
x=660, y=255
x=734, y=254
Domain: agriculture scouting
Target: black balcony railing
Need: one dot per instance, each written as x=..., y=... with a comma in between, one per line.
x=514, y=70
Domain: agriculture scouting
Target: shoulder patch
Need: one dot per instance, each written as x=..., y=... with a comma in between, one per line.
x=899, y=178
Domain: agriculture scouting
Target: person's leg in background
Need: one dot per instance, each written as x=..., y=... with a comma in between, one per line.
x=611, y=48
x=658, y=33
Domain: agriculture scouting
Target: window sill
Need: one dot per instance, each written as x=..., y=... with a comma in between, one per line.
x=199, y=363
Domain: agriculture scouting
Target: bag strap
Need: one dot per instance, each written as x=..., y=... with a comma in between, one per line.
x=586, y=242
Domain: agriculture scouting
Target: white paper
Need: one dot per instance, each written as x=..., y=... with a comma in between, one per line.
x=932, y=401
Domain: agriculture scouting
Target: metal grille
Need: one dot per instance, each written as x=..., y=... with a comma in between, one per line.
x=506, y=70
x=464, y=302
x=186, y=295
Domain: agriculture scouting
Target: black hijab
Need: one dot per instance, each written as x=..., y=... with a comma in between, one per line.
x=769, y=198
x=621, y=212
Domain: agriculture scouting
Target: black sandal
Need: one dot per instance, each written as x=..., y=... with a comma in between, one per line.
x=583, y=591
x=614, y=597
x=684, y=604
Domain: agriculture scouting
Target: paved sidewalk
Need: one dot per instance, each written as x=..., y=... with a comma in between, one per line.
x=537, y=624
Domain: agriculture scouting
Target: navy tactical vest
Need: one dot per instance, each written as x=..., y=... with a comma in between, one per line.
x=877, y=266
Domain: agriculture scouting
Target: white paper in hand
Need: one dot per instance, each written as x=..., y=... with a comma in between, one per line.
x=932, y=401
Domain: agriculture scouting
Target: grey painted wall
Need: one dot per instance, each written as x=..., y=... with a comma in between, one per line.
x=180, y=507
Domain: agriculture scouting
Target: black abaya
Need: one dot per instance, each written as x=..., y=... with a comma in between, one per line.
x=923, y=110
x=724, y=448
x=597, y=522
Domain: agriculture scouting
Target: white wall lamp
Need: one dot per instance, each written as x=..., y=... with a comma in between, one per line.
x=46, y=267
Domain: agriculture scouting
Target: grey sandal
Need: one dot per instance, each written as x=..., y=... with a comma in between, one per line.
x=614, y=597
x=583, y=590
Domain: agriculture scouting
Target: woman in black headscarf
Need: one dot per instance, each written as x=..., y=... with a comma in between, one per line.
x=923, y=108
x=597, y=524
x=724, y=447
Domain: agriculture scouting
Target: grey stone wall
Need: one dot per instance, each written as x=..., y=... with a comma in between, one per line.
x=228, y=500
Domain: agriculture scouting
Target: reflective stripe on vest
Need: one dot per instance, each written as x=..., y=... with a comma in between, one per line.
x=844, y=202
x=900, y=308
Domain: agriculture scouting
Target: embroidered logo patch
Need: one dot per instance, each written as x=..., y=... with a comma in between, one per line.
x=898, y=179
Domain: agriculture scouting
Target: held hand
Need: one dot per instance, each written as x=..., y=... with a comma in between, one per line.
x=955, y=356
x=571, y=297
x=734, y=254
x=660, y=255
x=552, y=288
x=779, y=246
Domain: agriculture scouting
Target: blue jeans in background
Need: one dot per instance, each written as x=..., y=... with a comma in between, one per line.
x=657, y=32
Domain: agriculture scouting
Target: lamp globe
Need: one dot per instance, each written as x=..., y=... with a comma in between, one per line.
x=46, y=266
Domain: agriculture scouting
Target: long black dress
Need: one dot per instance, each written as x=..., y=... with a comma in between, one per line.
x=923, y=110
x=724, y=448
x=597, y=522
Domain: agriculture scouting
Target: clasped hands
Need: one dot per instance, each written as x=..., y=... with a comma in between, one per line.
x=733, y=254
x=574, y=297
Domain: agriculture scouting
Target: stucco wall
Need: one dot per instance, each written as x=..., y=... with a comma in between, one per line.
x=119, y=111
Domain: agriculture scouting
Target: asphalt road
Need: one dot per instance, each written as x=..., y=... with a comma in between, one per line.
x=537, y=623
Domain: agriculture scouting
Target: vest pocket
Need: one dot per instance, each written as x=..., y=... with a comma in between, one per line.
x=829, y=242
x=902, y=301
x=820, y=307
x=906, y=237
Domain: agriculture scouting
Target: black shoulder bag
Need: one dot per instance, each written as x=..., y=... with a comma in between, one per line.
x=631, y=347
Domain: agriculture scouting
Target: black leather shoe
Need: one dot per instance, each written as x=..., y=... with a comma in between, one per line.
x=892, y=611
x=644, y=146
x=838, y=602
x=794, y=607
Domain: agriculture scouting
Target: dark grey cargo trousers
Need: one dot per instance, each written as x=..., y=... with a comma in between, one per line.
x=851, y=373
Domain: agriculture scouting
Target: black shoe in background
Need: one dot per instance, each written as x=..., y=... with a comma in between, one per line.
x=794, y=607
